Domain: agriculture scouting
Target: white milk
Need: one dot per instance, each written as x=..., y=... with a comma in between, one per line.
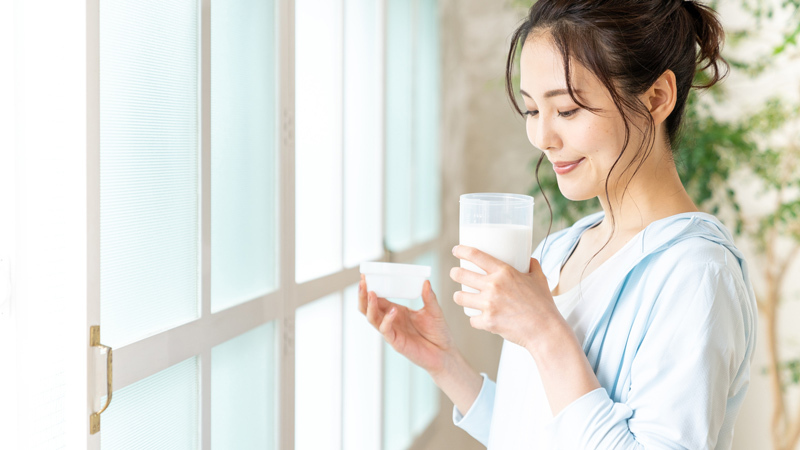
x=508, y=243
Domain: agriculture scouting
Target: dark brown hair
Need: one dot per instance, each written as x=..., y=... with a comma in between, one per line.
x=627, y=45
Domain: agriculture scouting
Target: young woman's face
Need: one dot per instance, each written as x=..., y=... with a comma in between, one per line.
x=582, y=145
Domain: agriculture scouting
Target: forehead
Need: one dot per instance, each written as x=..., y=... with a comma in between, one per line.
x=542, y=68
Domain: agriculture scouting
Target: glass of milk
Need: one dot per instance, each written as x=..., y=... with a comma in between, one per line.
x=500, y=225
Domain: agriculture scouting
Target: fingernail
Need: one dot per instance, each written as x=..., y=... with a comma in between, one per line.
x=454, y=249
x=394, y=310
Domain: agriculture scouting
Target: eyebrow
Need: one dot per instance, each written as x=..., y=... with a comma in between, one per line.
x=553, y=93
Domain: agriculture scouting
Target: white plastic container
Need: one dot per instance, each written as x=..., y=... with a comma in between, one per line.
x=392, y=280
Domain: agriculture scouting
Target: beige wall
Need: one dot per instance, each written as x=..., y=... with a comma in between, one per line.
x=485, y=149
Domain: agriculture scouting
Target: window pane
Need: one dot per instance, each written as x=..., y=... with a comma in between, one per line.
x=424, y=392
x=396, y=400
x=424, y=400
x=149, y=179
x=399, y=113
x=362, y=378
x=161, y=411
x=243, y=391
x=362, y=132
x=243, y=152
x=397, y=395
x=318, y=375
x=318, y=138
x=411, y=399
x=427, y=173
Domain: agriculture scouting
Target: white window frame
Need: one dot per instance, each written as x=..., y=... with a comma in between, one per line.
x=141, y=359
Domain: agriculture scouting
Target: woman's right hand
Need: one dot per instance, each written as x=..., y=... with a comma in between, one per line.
x=422, y=336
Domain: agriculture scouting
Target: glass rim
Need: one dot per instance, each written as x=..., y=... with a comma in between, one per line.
x=496, y=198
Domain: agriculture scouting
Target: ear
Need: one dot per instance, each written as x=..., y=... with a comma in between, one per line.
x=660, y=98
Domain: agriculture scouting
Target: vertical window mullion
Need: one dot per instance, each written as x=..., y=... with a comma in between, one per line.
x=381, y=360
x=412, y=131
x=343, y=212
x=287, y=247
x=205, y=215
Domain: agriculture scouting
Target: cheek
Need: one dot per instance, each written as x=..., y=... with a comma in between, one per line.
x=604, y=144
x=530, y=129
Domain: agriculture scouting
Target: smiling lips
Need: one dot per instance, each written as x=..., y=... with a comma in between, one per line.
x=565, y=167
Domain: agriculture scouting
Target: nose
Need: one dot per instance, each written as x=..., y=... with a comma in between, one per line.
x=542, y=133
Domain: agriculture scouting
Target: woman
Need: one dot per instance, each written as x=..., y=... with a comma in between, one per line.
x=638, y=328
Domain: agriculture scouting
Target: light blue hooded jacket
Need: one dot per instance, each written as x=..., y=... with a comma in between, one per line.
x=671, y=346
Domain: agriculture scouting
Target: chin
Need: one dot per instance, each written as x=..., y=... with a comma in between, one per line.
x=576, y=195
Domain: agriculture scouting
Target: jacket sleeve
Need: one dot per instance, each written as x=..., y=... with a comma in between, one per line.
x=694, y=356
x=477, y=420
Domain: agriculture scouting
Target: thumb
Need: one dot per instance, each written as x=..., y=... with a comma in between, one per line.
x=534, y=266
x=428, y=297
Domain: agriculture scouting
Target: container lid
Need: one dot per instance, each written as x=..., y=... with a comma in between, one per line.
x=384, y=268
x=498, y=198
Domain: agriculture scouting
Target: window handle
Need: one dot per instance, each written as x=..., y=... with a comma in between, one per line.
x=94, y=341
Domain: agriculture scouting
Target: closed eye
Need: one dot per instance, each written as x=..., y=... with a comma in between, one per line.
x=532, y=113
x=568, y=114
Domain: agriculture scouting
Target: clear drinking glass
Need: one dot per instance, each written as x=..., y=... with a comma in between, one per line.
x=500, y=225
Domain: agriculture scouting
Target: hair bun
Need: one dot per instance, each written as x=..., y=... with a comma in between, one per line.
x=710, y=38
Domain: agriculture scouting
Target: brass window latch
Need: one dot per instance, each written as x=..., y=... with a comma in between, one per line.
x=94, y=341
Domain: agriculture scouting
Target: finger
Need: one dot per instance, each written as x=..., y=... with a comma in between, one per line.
x=485, y=261
x=469, y=300
x=362, y=295
x=380, y=305
x=386, y=328
x=467, y=277
x=374, y=314
x=428, y=296
x=535, y=266
x=477, y=322
x=537, y=271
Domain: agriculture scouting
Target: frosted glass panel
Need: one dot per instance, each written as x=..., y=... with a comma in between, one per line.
x=431, y=259
x=396, y=400
x=149, y=185
x=411, y=399
x=161, y=411
x=243, y=391
x=427, y=172
x=399, y=113
x=424, y=392
x=424, y=400
x=363, y=170
x=318, y=138
x=318, y=375
x=398, y=405
x=243, y=152
x=362, y=378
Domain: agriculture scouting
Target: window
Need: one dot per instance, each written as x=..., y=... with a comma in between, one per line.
x=352, y=147
x=234, y=163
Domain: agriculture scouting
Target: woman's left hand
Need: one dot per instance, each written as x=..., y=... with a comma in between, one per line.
x=517, y=306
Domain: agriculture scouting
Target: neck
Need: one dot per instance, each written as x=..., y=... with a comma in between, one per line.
x=654, y=193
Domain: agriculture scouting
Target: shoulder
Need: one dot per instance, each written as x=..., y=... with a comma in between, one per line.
x=690, y=263
x=696, y=277
x=693, y=251
x=700, y=248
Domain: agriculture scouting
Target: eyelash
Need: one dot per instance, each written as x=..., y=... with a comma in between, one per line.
x=565, y=114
